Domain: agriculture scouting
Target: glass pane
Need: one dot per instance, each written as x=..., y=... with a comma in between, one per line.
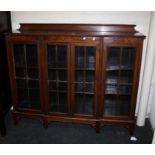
x=23, y=98
x=34, y=98
x=31, y=55
x=52, y=86
x=119, y=74
x=57, y=78
x=19, y=55
x=63, y=102
x=62, y=86
x=85, y=57
x=52, y=75
x=90, y=76
x=53, y=101
x=79, y=57
x=112, y=77
x=127, y=56
x=21, y=83
x=124, y=89
x=116, y=106
x=51, y=56
x=33, y=84
x=118, y=89
x=79, y=76
x=79, y=87
x=20, y=72
x=113, y=57
x=62, y=75
x=58, y=102
x=89, y=88
x=27, y=78
x=111, y=89
x=126, y=77
x=32, y=73
x=90, y=57
x=62, y=56
x=82, y=107
x=78, y=105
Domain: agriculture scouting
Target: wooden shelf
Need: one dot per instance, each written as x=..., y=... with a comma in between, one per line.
x=51, y=68
x=55, y=91
x=120, y=94
x=115, y=68
x=57, y=81
x=115, y=83
x=87, y=93
x=20, y=78
x=85, y=69
x=28, y=67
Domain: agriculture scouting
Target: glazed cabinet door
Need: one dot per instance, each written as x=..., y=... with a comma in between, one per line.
x=84, y=75
x=121, y=62
x=23, y=56
x=57, y=58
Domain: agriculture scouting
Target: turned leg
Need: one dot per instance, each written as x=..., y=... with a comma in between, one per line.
x=2, y=127
x=131, y=129
x=15, y=119
x=45, y=123
x=97, y=126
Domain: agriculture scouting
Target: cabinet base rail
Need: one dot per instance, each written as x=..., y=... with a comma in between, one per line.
x=96, y=123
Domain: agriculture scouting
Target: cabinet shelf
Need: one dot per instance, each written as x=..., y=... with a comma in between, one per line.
x=51, y=68
x=28, y=88
x=83, y=82
x=87, y=93
x=120, y=94
x=55, y=91
x=83, y=69
x=115, y=68
x=28, y=67
x=115, y=83
x=27, y=78
x=57, y=81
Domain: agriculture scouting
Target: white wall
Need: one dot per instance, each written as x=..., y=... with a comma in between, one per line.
x=141, y=19
x=151, y=107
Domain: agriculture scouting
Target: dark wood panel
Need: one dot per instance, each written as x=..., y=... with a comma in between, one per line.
x=77, y=27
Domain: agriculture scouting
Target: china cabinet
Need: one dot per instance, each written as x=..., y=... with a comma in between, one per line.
x=82, y=73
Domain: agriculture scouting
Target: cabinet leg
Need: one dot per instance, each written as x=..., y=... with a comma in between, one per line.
x=45, y=124
x=131, y=129
x=15, y=119
x=98, y=127
x=2, y=127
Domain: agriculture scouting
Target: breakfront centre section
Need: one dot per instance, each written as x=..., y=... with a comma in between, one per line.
x=81, y=73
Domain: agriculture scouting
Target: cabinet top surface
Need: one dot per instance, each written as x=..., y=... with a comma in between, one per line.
x=77, y=29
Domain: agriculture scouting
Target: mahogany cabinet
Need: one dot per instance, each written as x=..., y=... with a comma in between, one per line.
x=82, y=73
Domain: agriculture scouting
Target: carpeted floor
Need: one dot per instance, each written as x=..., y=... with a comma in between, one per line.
x=30, y=131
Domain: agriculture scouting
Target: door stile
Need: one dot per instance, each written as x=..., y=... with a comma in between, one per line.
x=72, y=75
x=69, y=67
x=103, y=77
x=44, y=76
x=12, y=74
